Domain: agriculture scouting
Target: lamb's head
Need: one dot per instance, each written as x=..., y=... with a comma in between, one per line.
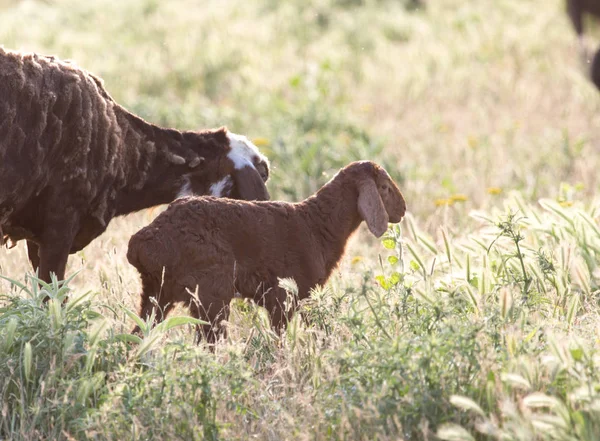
x=239, y=172
x=379, y=199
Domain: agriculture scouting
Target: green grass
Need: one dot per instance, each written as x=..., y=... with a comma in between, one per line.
x=476, y=318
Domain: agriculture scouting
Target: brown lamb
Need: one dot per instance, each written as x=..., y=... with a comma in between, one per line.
x=222, y=247
x=71, y=159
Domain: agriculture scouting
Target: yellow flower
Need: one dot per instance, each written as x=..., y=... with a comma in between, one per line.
x=345, y=138
x=459, y=198
x=356, y=259
x=494, y=190
x=443, y=202
x=261, y=142
x=473, y=141
x=566, y=203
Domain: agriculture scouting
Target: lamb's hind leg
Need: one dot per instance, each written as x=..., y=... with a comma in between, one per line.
x=151, y=288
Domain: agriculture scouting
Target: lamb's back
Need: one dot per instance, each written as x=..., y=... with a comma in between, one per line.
x=205, y=232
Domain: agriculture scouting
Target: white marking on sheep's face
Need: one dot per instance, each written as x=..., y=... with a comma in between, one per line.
x=186, y=188
x=243, y=153
x=222, y=187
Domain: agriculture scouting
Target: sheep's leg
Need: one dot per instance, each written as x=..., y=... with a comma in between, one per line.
x=56, y=241
x=214, y=314
x=33, y=252
x=575, y=11
x=53, y=259
x=54, y=253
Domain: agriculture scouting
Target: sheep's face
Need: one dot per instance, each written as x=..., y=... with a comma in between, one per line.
x=392, y=198
x=239, y=174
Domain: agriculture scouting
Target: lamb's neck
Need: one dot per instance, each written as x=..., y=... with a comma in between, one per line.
x=151, y=176
x=333, y=213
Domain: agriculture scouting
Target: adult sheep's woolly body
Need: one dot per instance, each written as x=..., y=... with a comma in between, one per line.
x=71, y=159
x=221, y=247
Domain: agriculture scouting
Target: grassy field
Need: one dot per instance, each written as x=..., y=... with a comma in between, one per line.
x=477, y=319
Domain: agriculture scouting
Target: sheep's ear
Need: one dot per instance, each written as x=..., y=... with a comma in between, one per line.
x=250, y=185
x=370, y=207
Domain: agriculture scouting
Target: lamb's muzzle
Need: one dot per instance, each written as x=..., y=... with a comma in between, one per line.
x=220, y=246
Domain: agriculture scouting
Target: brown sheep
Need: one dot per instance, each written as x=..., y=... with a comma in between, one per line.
x=222, y=247
x=71, y=159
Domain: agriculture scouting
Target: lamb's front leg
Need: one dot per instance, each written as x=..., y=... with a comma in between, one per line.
x=280, y=307
x=153, y=298
x=213, y=312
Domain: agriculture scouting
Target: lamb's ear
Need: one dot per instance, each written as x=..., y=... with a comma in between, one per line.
x=370, y=207
x=250, y=185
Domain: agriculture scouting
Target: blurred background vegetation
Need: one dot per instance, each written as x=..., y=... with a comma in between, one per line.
x=472, y=316
x=456, y=97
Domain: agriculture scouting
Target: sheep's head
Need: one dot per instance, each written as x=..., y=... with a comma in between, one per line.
x=379, y=199
x=241, y=172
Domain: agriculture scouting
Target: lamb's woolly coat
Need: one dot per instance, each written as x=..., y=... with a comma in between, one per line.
x=71, y=159
x=222, y=247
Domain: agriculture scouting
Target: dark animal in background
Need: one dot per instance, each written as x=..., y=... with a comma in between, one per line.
x=595, y=69
x=576, y=10
x=221, y=247
x=71, y=159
